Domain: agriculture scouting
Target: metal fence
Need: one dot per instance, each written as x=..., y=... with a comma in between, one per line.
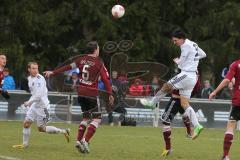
x=64, y=107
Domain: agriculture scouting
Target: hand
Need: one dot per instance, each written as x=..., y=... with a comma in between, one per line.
x=48, y=73
x=212, y=95
x=176, y=60
x=111, y=100
x=5, y=94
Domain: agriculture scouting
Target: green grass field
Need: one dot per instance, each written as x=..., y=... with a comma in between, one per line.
x=113, y=143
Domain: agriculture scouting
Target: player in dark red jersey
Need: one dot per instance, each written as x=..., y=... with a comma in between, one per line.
x=234, y=72
x=173, y=107
x=91, y=68
x=3, y=61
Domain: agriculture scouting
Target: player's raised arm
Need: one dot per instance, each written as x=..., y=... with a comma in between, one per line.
x=230, y=75
x=223, y=84
x=60, y=70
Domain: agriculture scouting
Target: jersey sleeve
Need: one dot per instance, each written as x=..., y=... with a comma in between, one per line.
x=232, y=71
x=201, y=54
x=105, y=78
x=73, y=65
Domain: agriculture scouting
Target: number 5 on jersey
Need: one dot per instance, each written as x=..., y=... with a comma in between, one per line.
x=85, y=72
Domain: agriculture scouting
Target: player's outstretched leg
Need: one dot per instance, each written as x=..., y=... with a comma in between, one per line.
x=167, y=140
x=81, y=132
x=167, y=88
x=193, y=118
x=26, y=134
x=187, y=124
x=90, y=132
x=55, y=130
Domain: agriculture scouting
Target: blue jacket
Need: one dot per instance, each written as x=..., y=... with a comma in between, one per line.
x=8, y=83
x=101, y=85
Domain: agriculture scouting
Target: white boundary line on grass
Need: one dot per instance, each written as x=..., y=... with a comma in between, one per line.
x=8, y=158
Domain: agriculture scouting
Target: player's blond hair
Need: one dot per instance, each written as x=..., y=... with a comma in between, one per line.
x=2, y=54
x=32, y=63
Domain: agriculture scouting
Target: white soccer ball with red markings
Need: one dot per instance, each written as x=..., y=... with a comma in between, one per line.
x=118, y=11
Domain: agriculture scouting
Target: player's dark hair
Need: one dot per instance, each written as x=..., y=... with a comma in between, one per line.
x=91, y=47
x=178, y=33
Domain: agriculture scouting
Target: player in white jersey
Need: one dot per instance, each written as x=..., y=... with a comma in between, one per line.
x=38, y=105
x=184, y=81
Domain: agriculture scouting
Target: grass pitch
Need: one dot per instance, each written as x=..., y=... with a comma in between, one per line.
x=113, y=143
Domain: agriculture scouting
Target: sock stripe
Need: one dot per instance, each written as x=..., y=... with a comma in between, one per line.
x=231, y=133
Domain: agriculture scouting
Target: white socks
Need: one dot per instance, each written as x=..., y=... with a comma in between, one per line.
x=49, y=129
x=54, y=130
x=192, y=116
x=26, y=134
x=159, y=95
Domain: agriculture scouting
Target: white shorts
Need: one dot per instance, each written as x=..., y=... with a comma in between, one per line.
x=36, y=114
x=184, y=82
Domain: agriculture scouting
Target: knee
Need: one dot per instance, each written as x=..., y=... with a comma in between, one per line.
x=84, y=122
x=167, y=87
x=26, y=124
x=42, y=129
x=166, y=119
x=185, y=119
x=96, y=122
x=231, y=126
x=166, y=128
x=166, y=123
x=184, y=103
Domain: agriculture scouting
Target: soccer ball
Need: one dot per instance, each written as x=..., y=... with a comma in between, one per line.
x=118, y=11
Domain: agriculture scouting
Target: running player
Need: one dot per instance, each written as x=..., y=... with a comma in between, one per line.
x=184, y=81
x=172, y=108
x=37, y=107
x=234, y=72
x=91, y=68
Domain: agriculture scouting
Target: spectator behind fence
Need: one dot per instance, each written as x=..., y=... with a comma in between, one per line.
x=115, y=81
x=206, y=90
x=136, y=89
x=118, y=88
x=8, y=81
x=73, y=81
x=24, y=82
x=224, y=71
x=154, y=86
x=124, y=84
